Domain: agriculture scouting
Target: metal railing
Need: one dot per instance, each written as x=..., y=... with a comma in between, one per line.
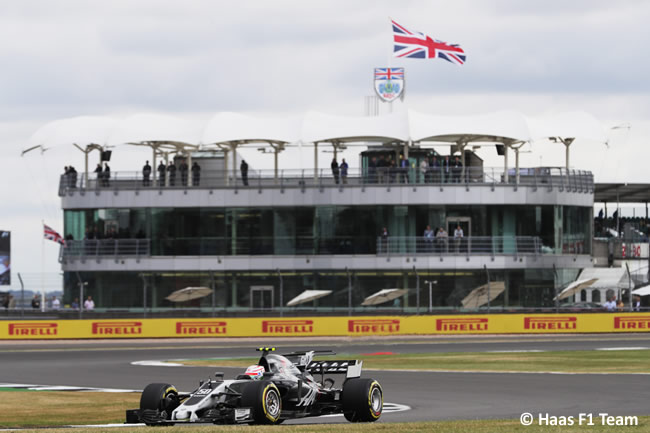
x=461, y=246
x=310, y=245
x=105, y=248
x=538, y=177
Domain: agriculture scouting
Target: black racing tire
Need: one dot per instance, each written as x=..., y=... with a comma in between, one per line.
x=162, y=397
x=265, y=402
x=362, y=400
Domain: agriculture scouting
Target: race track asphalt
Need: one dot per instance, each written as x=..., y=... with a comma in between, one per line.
x=431, y=395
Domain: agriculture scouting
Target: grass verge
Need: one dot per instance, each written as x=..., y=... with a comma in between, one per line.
x=480, y=426
x=579, y=361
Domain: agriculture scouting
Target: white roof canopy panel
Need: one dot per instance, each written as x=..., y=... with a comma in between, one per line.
x=82, y=130
x=574, y=124
x=606, y=278
x=148, y=127
x=234, y=127
x=227, y=127
x=319, y=127
x=492, y=127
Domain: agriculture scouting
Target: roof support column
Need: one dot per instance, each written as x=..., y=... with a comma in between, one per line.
x=189, y=168
x=315, y=160
x=407, y=144
x=166, y=166
x=154, y=166
x=505, y=161
x=233, y=149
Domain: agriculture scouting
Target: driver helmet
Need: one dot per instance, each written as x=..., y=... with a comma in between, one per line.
x=255, y=372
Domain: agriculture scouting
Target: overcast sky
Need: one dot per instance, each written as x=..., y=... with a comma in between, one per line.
x=70, y=58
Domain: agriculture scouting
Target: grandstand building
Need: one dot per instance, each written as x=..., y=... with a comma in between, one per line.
x=261, y=239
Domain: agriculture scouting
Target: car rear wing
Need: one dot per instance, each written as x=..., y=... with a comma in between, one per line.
x=351, y=367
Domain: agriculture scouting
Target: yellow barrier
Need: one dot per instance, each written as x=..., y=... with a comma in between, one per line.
x=325, y=326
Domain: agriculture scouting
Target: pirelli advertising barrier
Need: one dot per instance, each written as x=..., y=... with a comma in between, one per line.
x=325, y=326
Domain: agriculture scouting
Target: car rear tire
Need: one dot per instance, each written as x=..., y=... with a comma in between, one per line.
x=162, y=397
x=265, y=402
x=362, y=399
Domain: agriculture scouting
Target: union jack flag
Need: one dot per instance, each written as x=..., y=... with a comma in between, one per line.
x=389, y=73
x=50, y=234
x=417, y=45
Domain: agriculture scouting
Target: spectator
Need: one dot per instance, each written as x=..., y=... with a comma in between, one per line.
x=610, y=305
x=372, y=170
x=75, y=304
x=72, y=177
x=146, y=174
x=66, y=177
x=106, y=174
x=196, y=174
x=456, y=169
x=344, y=171
x=458, y=237
x=183, y=169
x=636, y=303
x=428, y=238
x=434, y=167
x=100, y=174
x=404, y=169
x=384, y=240
x=441, y=238
x=36, y=302
x=56, y=304
x=89, y=304
x=171, y=170
x=424, y=168
x=243, y=167
x=161, y=174
x=335, y=170
x=446, y=169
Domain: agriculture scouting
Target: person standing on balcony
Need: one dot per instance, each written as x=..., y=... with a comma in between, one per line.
x=106, y=174
x=383, y=247
x=161, y=174
x=441, y=238
x=372, y=170
x=335, y=170
x=404, y=169
x=446, y=170
x=89, y=304
x=100, y=174
x=428, y=239
x=146, y=174
x=243, y=167
x=171, y=169
x=196, y=174
x=424, y=168
x=344, y=171
x=458, y=237
x=183, y=168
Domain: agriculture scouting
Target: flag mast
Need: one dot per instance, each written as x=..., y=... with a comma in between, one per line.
x=43, y=269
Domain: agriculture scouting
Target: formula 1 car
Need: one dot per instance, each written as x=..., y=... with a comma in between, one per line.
x=278, y=388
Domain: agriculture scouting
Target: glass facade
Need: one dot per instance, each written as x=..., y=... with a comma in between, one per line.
x=236, y=291
x=325, y=229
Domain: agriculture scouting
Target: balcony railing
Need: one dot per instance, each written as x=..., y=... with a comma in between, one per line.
x=538, y=177
x=311, y=245
x=106, y=248
x=461, y=246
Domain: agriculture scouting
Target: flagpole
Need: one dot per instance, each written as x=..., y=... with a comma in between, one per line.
x=43, y=269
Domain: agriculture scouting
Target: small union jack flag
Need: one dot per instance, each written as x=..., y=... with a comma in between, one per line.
x=389, y=73
x=417, y=45
x=50, y=234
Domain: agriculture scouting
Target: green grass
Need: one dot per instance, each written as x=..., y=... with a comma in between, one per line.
x=482, y=426
x=57, y=408
x=579, y=361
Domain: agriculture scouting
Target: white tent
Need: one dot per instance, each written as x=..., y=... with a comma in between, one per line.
x=150, y=127
x=319, y=127
x=575, y=287
x=606, y=278
x=82, y=130
x=308, y=296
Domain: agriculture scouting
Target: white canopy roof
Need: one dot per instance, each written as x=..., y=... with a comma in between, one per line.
x=319, y=127
x=493, y=127
x=502, y=126
x=235, y=127
x=573, y=124
x=82, y=130
x=149, y=127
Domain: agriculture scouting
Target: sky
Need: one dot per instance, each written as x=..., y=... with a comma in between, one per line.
x=195, y=58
